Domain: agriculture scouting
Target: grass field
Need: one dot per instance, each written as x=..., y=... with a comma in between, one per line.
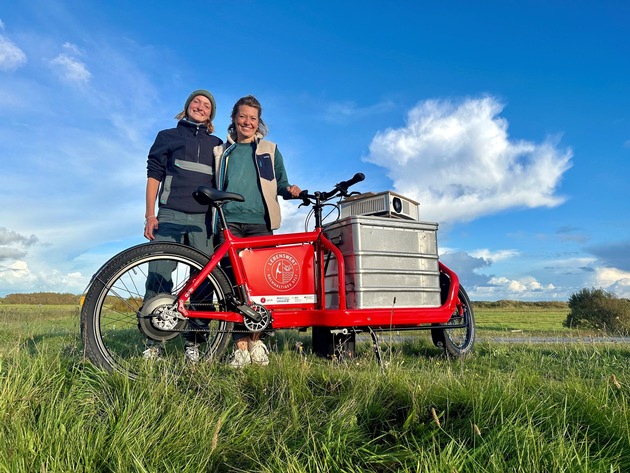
x=529, y=407
x=527, y=320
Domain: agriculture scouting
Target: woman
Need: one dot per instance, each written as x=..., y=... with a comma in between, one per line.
x=180, y=160
x=253, y=167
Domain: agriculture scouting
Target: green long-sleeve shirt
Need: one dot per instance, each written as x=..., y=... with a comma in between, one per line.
x=242, y=178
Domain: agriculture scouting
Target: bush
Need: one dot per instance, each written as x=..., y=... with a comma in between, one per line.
x=599, y=309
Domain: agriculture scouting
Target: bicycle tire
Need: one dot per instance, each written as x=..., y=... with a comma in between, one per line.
x=115, y=330
x=457, y=342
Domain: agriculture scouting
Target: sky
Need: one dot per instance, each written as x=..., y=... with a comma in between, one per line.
x=508, y=121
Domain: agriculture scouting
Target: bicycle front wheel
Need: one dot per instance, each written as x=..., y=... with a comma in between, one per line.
x=457, y=342
x=129, y=317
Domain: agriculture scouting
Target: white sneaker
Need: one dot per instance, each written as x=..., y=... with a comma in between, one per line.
x=259, y=352
x=240, y=359
x=191, y=353
x=152, y=352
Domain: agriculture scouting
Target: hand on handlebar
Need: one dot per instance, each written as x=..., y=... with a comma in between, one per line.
x=294, y=191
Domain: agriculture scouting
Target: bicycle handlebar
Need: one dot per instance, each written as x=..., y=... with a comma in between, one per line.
x=340, y=188
x=358, y=177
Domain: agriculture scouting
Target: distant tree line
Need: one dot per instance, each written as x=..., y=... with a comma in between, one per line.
x=43, y=298
x=510, y=304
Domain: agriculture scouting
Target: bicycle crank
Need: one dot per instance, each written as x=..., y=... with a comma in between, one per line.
x=262, y=320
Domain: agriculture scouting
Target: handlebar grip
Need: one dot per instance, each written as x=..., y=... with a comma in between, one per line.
x=358, y=177
x=304, y=196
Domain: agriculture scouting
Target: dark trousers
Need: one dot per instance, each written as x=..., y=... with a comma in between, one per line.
x=241, y=230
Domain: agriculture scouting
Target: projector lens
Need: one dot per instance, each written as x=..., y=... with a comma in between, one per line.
x=397, y=205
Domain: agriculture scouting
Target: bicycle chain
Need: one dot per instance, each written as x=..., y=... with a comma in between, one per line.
x=201, y=330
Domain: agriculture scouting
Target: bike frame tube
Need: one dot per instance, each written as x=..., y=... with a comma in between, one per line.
x=231, y=246
x=320, y=316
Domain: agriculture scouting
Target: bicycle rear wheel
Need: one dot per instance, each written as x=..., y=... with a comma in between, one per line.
x=129, y=308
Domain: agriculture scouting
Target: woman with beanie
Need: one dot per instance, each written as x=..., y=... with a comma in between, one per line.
x=180, y=160
x=253, y=167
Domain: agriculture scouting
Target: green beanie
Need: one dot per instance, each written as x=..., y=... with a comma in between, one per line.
x=206, y=94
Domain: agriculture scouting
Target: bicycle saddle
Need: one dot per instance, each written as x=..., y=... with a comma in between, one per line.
x=206, y=195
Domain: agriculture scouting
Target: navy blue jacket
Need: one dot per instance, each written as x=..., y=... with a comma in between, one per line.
x=181, y=159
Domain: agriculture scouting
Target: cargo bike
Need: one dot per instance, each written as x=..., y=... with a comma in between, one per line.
x=357, y=274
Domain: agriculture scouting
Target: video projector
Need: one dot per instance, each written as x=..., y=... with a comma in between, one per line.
x=384, y=204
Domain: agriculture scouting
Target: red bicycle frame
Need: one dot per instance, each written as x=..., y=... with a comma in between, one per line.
x=300, y=315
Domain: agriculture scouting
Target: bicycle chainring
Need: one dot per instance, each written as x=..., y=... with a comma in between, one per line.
x=263, y=323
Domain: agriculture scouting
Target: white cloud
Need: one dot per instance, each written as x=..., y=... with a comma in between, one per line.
x=494, y=256
x=10, y=240
x=613, y=280
x=16, y=274
x=69, y=66
x=488, y=275
x=19, y=277
x=8, y=237
x=523, y=288
x=72, y=49
x=458, y=161
x=293, y=217
x=11, y=56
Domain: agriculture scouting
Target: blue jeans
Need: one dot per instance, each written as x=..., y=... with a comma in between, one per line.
x=191, y=229
x=179, y=227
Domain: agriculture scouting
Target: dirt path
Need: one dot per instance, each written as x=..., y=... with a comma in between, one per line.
x=553, y=339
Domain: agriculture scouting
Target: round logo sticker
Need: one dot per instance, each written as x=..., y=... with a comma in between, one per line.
x=282, y=271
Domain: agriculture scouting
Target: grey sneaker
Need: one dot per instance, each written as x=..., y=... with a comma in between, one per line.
x=259, y=352
x=191, y=353
x=240, y=359
x=152, y=352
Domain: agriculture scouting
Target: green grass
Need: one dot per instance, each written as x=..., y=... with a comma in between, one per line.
x=509, y=407
x=531, y=320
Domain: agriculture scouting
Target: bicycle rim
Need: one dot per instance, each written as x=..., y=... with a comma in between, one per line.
x=128, y=323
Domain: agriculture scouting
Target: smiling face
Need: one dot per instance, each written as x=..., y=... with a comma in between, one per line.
x=199, y=109
x=246, y=123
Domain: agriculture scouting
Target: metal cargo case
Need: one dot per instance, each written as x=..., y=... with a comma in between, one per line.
x=388, y=262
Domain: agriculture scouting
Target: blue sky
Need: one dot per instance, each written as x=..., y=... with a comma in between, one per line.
x=508, y=121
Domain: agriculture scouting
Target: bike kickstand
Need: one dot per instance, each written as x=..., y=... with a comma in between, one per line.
x=377, y=349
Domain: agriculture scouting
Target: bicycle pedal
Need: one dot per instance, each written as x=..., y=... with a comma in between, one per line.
x=249, y=312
